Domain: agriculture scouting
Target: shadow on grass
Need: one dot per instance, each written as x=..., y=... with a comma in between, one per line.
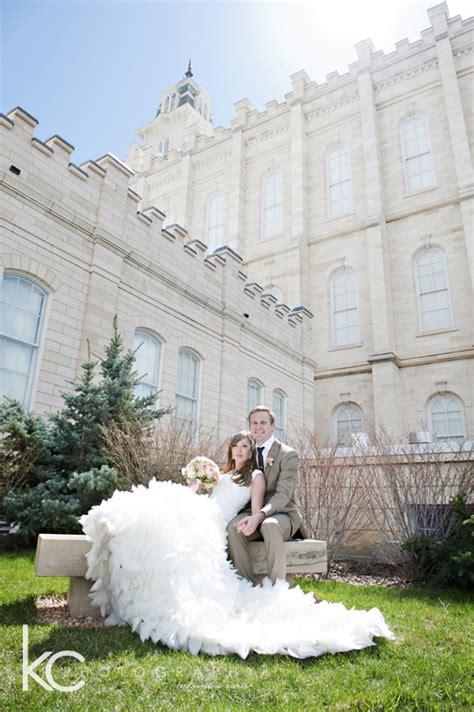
x=108, y=643
x=19, y=612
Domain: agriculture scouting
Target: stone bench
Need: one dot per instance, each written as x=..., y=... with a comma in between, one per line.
x=65, y=555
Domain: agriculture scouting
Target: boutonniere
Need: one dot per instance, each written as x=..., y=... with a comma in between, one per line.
x=269, y=461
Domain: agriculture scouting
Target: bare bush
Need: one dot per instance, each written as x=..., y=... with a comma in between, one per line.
x=331, y=494
x=411, y=487
x=158, y=451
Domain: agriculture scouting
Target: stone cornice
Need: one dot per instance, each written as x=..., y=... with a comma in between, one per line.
x=408, y=362
x=166, y=181
x=417, y=71
x=316, y=113
x=265, y=136
x=213, y=159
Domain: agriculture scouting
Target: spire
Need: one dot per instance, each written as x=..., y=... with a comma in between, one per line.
x=189, y=73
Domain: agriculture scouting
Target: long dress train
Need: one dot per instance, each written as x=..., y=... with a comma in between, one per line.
x=159, y=562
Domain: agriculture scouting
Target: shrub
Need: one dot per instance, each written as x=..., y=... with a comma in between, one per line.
x=451, y=560
x=25, y=453
x=54, y=471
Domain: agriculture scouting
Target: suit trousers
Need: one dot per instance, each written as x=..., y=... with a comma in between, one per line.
x=274, y=531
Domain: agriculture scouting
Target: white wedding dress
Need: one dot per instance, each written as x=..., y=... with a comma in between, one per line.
x=159, y=562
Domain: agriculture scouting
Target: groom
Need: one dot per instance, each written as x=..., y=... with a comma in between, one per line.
x=278, y=519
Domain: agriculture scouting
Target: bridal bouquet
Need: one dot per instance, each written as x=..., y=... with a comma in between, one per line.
x=201, y=474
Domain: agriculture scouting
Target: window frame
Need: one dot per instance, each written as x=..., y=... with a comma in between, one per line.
x=252, y=380
x=212, y=245
x=163, y=147
x=280, y=429
x=419, y=294
x=447, y=397
x=330, y=154
x=345, y=273
x=36, y=346
x=277, y=173
x=148, y=334
x=406, y=158
x=195, y=398
x=340, y=408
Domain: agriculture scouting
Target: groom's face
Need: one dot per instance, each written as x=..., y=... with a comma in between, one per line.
x=261, y=426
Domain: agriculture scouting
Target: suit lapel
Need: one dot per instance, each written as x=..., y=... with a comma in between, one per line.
x=272, y=455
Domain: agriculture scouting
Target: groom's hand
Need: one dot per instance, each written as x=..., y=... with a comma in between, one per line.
x=248, y=525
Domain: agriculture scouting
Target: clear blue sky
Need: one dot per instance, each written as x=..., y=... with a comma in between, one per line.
x=93, y=72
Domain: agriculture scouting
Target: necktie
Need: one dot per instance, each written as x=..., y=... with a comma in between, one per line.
x=260, y=458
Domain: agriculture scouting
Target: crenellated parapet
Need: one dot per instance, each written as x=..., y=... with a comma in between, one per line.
x=95, y=201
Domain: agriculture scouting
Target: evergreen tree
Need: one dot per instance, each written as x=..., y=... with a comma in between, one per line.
x=76, y=429
x=70, y=470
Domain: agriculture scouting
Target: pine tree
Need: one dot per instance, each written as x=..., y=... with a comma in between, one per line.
x=75, y=466
x=76, y=432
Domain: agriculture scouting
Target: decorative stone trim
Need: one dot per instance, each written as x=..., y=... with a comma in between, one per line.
x=76, y=171
x=116, y=163
x=32, y=267
x=24, y=115
x=46, y=150
x=93, y=167
x=60, y=142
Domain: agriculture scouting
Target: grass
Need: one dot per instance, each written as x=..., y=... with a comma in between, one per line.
x=426, y=668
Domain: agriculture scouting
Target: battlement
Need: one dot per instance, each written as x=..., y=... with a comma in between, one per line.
x=368, y=57
x=95, y=199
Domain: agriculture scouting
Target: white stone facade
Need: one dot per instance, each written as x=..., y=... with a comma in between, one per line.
x=396, y=366
x=76, y=233
x=327, y=174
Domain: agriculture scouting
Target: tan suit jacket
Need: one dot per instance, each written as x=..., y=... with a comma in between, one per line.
x=281, y=473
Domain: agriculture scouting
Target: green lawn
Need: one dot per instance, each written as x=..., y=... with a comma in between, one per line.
x=426, y=668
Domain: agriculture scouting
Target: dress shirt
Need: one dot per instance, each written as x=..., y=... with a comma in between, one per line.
x=266, y=447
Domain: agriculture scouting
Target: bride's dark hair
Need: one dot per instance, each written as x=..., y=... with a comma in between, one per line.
x=242, y=477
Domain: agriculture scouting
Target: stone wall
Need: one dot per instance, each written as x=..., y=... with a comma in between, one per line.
x=393, y=371
x=77, y=232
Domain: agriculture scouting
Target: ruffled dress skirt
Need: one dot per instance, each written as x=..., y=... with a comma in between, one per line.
x=159, y=563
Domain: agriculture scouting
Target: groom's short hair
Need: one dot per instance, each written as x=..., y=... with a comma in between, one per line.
x=262, y=409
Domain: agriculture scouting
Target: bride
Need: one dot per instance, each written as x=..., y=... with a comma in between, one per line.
x=159, y=562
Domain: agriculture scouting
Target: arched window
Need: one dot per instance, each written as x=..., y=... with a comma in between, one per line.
x=272, y=207
x=199, y=105
x=147, y=362
x=215, y=222
x=445, y=414
x=173, y=101
x=204, y=111
x=254, y=393
x=432, y=287
x=279, y=408
x=417, y=156
x=339, y=181
x=167, y=104
x=22, y=306
x=344, y=308
x=348, y=420
x=187, y=386
x=164, y=146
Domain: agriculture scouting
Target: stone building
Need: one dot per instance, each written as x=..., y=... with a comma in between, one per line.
x=354, y=198
x=76, y=249
x=351, y=201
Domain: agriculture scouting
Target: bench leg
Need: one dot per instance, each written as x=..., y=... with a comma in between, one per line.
x=259, y=578
x=78, y=599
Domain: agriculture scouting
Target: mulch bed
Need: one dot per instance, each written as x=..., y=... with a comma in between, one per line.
x=54, y=609
x=364, y=573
